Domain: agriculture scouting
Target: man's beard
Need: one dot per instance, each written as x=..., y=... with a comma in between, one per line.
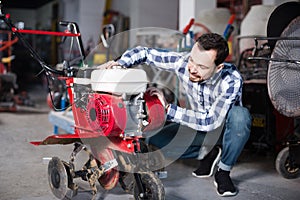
x=196, y=79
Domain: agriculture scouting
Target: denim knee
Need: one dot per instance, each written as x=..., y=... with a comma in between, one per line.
x=239, y=120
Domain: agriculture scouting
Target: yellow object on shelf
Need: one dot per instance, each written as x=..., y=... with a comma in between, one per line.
x=99, y=58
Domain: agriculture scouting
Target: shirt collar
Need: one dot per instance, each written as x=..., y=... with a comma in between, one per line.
x=212, y=80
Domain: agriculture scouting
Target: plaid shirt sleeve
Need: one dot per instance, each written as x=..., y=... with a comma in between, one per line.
x=212, y=118
x=154, y=57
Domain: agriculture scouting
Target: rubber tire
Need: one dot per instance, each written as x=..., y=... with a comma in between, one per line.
x=282, y=165
x=58, y=178
x=153, y=187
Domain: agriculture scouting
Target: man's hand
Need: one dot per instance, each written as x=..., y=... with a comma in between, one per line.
x=108, y=65
x=160, y=95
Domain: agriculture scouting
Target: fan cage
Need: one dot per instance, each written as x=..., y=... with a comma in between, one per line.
x=284, y=75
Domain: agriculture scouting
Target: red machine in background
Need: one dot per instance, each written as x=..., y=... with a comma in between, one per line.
x=278, y=65
x=112, y=113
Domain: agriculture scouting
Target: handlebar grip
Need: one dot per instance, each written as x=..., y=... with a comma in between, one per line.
x=187, y=28
x=231, y=19
x=63, y=23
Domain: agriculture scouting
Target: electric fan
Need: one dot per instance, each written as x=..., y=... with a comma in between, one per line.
x=284, y=72
x=283, y=80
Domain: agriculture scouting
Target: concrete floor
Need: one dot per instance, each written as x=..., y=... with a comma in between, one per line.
x=23, y=175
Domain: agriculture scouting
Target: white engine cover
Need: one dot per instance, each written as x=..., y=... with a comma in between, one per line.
x=82, y=81
x=130, y=81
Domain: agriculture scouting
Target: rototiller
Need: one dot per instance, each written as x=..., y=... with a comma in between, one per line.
x=112, y=113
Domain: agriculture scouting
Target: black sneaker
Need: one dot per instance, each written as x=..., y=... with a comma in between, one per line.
x=208, y=163
x=224, y=184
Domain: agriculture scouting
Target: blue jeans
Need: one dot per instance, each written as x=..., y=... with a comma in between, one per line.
x=232, y=139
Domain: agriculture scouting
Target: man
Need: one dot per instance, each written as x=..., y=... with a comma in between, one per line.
x=214, y=89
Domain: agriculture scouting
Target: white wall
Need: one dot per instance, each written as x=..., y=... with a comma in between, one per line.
x=149, y=13
x=90, y=19
x=87, y=14
x=190, y=8
x=186, y=12
x=157, y=13
x=69, y=10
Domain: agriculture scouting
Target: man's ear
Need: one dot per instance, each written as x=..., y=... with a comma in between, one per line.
x=219, y=67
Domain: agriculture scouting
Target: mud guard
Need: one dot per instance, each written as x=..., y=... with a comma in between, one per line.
x=58, y=139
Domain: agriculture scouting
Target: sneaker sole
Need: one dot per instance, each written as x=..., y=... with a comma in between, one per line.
x=212, y=167
x=225, y=194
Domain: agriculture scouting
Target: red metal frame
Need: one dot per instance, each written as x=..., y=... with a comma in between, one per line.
x=39, y=32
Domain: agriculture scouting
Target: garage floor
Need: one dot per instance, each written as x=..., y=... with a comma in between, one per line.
x=23, y=174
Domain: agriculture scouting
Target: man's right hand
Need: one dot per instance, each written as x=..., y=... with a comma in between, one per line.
x=108, y=65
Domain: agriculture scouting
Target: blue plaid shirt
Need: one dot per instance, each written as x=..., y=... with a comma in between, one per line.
x=209, y=100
